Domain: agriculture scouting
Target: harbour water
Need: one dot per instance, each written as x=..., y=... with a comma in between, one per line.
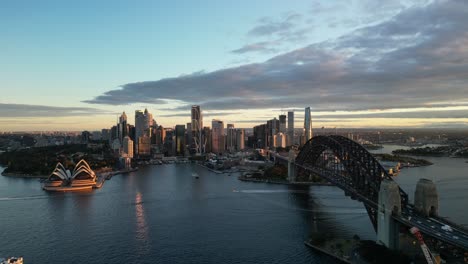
x=161, y=214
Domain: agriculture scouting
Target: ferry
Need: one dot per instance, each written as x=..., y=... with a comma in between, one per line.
x=12, y=260
x=195, y=175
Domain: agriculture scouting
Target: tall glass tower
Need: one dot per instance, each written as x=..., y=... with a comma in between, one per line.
x=307, y=124
x=290, y=128
x=197, y=127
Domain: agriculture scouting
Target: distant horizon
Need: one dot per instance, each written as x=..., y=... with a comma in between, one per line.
x=362, y=64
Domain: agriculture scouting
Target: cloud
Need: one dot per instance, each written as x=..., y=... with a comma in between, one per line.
x=417, y=57
x=273, y=33
x=263, y=46
x=269, y=26
x=205, y=114
x=24, y=110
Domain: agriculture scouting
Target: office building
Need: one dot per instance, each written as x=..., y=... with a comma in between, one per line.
x=217, y=136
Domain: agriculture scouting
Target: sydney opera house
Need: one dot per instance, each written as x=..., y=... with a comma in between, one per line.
x=81, y=178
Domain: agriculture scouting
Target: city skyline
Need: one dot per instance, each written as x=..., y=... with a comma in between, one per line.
x=403, y=66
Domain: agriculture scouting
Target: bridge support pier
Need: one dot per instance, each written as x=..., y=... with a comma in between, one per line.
x=292, y=166
x=426, y=198
x=389, y=204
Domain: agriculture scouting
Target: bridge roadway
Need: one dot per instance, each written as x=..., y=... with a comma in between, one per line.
x=432, y=226
x=427, y=225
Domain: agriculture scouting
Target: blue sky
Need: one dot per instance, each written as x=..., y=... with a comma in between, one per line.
x=105, y=57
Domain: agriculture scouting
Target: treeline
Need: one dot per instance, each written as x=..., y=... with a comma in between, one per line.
x=455, y=151
x=42, y=160
x=403, y=159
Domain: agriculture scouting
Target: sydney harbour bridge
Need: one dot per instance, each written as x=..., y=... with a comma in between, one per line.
x=349, y=166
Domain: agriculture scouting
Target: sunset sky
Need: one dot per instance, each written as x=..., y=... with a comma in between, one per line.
x=75, y=65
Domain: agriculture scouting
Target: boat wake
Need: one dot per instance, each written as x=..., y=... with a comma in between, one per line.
x=37, y=197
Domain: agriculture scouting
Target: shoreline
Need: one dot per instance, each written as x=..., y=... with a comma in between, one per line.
x=21, y=175
x=31, y=176
x=284, y=182
x=324, y=251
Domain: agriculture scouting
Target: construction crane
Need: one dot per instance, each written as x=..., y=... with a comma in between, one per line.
x=427, y=253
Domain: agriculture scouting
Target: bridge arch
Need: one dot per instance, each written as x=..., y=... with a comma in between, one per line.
x=360, y=173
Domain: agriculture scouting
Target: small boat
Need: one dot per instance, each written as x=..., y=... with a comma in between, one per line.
x=12, y=260
x=195, y=175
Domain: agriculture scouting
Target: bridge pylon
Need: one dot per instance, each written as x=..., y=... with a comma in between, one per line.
x=426, y=198
x=389, y=204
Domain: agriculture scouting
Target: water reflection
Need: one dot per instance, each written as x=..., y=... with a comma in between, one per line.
x=141, y=226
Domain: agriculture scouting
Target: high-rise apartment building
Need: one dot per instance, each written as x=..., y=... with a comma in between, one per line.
x=217, y=136
x=196, y=129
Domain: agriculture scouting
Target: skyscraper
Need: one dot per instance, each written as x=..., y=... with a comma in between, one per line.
x=240, y=138
x=231, y=138
x=290, y=128
x=307, y=124
x=143, y=121
x=197, y=127
x=217, y=136
x=122, y=128
x=272, y=129
x=282, y=123
x=180, y=140
x=128, y=146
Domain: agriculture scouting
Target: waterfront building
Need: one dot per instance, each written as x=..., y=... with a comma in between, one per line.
x=180, y=140
x=196, y=142
x=217, y=136
x=128, y=146
x=240, y=139
x=144, y=146
x=307, y=124
x=169, y=146
x=82, y=176
x=157, y=138
x=290, y=138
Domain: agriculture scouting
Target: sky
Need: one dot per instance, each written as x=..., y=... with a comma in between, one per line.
x=76, y=65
